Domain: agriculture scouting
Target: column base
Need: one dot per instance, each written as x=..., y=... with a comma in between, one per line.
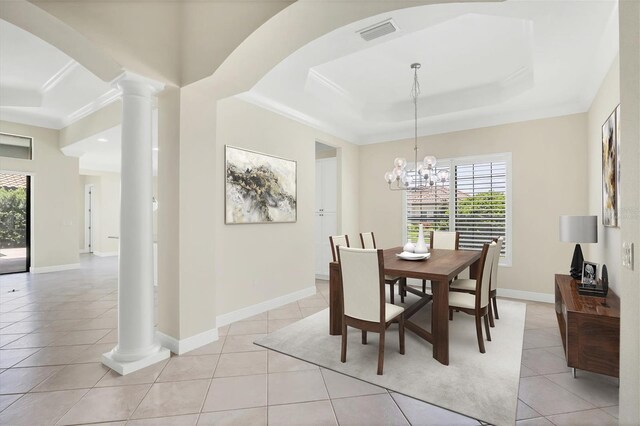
x=125, y=367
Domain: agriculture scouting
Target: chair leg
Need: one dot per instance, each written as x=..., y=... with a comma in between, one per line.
x=490, y=310
x=486, y=326
x=364, y=337
x=424, y=286
x=343, y=353
x=479, y=333
x=401, y=333
x=401, y=291
x=381, y=352
x=495, y=306
x=393, y=287
x=450, y=314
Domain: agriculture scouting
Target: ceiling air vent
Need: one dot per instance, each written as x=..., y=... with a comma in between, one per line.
x=378, y=30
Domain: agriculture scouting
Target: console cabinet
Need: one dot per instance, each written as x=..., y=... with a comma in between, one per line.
x=590, y=328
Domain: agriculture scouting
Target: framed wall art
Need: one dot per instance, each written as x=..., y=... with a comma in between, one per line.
x=611, y=170
x=259, y=188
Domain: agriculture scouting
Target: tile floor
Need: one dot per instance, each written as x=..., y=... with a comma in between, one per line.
x=54, y=328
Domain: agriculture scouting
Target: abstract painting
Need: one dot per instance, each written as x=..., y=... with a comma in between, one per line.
x=259, y=188
x=611, y=170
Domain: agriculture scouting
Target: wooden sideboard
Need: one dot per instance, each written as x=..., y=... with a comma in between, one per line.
x=590, y=328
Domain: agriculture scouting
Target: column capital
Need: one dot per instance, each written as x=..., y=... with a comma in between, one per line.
x=135, y=84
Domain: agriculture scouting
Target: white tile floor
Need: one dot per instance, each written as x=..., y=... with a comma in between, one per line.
x=54, y=327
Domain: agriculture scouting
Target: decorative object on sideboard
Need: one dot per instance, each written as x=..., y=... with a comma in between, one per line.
x=590, y=285
x=260, y=188
x=578, y=229
x=589, y=273
x=605, y=280
x=611, y=170
x=425, y=175
x=421, y=245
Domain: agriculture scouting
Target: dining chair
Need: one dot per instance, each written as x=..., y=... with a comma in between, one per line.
x=442, y=240
x=363, y=302
x=469, y=285
x=368, y=241
x=338, y=240
x=477, y=304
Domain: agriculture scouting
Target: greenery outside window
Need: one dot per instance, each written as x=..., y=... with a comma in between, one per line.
x=476, y=202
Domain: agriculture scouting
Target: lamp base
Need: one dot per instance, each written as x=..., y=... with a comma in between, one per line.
x=576, y=263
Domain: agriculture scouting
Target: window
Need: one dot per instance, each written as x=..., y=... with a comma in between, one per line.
x=13, y=146
x=476, y=203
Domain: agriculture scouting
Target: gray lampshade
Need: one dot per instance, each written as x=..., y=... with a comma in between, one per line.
x=579, y=229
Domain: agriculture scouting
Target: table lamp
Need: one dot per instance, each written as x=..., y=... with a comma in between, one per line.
x=578, y=229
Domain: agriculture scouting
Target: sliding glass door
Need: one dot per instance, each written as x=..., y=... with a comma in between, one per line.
x=14, y=223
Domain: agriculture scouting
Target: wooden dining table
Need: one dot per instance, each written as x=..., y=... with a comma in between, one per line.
x=441, y=268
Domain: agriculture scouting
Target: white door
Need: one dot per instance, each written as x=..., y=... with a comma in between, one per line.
x=326, y=221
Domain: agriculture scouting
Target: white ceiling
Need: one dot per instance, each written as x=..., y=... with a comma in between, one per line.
x=102, y=151
x=42, y=86
x=483, y=64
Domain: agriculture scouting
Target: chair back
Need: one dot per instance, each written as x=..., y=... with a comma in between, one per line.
x=496, y=261
x=444, y=240
x=338, y=240
x=368, y=240
x=363, y=292
x=483, y=281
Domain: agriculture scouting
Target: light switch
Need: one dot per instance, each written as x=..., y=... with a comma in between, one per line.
x=627, y=255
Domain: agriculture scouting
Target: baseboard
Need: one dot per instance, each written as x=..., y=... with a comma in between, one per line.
x=55, y=268
x=181, y=346
x=105, y=253
x=322, y=277
x=83, y=251
x=526, y=295
x=249, y=311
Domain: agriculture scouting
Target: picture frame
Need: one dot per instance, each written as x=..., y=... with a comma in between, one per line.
x=259, y=188
x=589, y=273
x=611, y=170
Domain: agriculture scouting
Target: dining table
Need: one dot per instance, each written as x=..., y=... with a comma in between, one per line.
x=440, y=268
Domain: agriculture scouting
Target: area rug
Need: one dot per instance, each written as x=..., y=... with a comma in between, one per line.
x=482, y=386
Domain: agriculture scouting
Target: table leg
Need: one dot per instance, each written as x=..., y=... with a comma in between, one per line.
x=335, y=300
x=440, y=321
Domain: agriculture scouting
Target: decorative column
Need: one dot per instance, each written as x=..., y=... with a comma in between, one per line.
x=137, y=344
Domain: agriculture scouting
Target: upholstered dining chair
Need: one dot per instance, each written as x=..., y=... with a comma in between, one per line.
x=363, y=302
x=368, y=241
x=338, y=240
x=442, y=240
x=477, y=304
x=469, y=285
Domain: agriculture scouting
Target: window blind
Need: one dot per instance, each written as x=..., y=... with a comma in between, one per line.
x=474, y=203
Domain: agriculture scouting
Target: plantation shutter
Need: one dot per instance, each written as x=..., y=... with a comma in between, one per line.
x=480, y=204
x=429, y=208
x=475, y=203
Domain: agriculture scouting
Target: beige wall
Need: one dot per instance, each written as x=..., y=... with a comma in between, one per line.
x=55, y=208
x=607, y=250
x=281, y=258
x=548, y=180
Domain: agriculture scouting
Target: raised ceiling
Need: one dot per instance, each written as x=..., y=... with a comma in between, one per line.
x=42, y=86
x=483, y=64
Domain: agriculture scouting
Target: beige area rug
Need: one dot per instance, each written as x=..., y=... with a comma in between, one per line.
x=482, y=386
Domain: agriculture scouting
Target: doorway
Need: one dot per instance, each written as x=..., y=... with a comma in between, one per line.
x=15, y=223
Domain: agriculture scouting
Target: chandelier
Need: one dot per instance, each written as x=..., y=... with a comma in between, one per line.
x=425, y=175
